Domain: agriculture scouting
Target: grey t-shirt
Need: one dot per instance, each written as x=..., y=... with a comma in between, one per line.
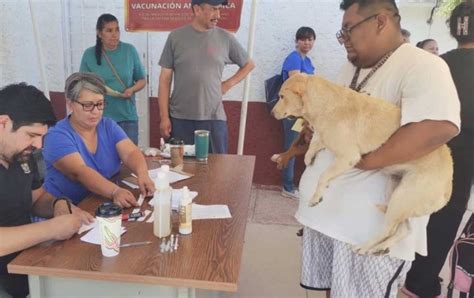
x=198, y=60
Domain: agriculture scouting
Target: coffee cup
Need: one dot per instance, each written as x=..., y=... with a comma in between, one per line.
x=109, y=217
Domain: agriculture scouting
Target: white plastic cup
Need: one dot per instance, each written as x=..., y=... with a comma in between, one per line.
x=109, y=216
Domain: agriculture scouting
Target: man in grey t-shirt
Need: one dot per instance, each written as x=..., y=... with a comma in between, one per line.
x=196, y=55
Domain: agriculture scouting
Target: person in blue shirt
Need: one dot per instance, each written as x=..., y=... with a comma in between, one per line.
x=118, y=64
x=296, y=62
x=84, y=150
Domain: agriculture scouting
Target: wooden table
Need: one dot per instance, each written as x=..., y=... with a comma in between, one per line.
x=209, y=258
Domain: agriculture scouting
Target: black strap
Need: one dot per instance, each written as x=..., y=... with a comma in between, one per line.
x=390, y=283
x=68, y=202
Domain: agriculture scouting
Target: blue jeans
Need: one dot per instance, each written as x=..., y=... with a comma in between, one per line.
x=131, y=129
x=289, y=136
x=218, y=136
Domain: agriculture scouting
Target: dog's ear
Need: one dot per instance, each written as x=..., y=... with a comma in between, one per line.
x=297, y=83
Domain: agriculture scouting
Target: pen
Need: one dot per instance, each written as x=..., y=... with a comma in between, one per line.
x=135, y=244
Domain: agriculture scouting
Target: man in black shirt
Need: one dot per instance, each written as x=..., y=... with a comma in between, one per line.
x=25, y=114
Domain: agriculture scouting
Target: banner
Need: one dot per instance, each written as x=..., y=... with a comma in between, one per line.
x=167, y=15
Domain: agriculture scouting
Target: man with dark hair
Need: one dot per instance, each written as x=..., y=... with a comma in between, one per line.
x=25, y=114
x=195, y=56
x=406, y=35
x=383, y=65
x=423, y=277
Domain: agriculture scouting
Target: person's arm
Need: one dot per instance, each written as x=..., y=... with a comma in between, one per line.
x=237, y=77
x=13, y=239
x=133, y=158
x=139, y=85
x=164, y=89
x=410, y=142
x=293, y=72
x=43, y=206
x=74, y=167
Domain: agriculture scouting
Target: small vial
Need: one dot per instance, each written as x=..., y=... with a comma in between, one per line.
x=185, y=213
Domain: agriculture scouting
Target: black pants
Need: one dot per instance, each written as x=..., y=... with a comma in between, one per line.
x=422, y=279
x=15, y=284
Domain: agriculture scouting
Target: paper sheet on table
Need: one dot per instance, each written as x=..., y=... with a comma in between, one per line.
x=210, y=211
x=94, y=235
x=129, y=183
x=173, y=176
x=176, y=197
x=84, y=227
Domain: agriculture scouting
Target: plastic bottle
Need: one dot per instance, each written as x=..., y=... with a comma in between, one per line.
x=185, y=213
x=162, y=202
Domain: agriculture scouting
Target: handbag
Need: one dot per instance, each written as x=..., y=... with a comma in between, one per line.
x=272, y=88
x=462, y=263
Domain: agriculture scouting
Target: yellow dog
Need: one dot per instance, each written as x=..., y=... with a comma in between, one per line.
x=351, y=124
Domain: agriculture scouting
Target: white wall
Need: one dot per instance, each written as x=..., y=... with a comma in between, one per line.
x=277, y=21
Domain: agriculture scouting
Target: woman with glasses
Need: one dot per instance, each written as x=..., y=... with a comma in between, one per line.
x=296, y=62
x=118, y=64
x=84, y=150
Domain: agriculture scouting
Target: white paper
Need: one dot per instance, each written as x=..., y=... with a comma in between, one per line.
x=151, y=218
x=210, y=211
x=130, y=184
x=144, y=216
x=140, y=200
x=176, y=197
x=94, y=235
x=85, y=228
x=173, y=176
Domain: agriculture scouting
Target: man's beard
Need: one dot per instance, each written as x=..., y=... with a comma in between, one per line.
x=24, y=155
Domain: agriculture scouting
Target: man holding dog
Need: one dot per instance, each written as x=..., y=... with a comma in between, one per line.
x=382, y=65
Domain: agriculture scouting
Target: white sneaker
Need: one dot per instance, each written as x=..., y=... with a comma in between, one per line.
x=295, y=194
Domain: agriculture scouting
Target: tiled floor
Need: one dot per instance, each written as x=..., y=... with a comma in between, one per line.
x=271, y=257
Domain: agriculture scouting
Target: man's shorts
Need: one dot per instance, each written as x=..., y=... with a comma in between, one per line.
x=329, y=264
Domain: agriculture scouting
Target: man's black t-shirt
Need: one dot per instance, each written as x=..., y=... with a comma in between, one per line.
x=16, y=185
x=461, y=65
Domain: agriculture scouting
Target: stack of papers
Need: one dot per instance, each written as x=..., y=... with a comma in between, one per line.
x=210, y=211
x=173, y=176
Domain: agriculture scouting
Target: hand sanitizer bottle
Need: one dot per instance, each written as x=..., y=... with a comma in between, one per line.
x=162, y=212
x=185, y=213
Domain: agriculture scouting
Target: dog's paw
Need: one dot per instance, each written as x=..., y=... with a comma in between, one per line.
x=315, y=201
x=367, y=250
x=308, y=159
x=275, y=157
x=358, y=250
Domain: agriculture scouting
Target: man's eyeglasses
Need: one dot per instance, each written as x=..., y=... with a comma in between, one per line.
x=344, y=34
x=89, y=106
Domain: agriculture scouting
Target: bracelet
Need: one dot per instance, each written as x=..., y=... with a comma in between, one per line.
x=68, y=202
x=115, y=191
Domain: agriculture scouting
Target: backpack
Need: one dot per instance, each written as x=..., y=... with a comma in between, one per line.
x=272, y=88
x=462, y=263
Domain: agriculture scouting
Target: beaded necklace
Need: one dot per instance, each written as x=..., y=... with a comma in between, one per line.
x=362, y=84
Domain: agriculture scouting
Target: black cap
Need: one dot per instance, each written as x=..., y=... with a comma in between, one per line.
x=108, y=209
x=210, y=2
x=26, y=104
